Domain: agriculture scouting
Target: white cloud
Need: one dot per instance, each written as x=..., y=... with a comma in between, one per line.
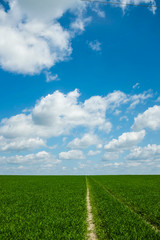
x=42, y=157
x=84, y=142
x=50, y=77
x=139, y=98
x=117, y=112
x=95, y=45
x=110, y=156
x=93, y=153
x=124, y=118
x=47, y=10
x=20, y=144
x=24, y=50
x=125, y=141
x=71, y=155
x=132, y=164
x=137, y=85
x=58, y=114
x=149, y=119
x=31, y=37
x=80, y=23
x=82, y=165
x=158, y=99
x=115, y=164
x=149, y=153
x=54, y=115
x=99, y=146
x=101, y=104
x=64, y=168
x=137, y=2
x=97, y=10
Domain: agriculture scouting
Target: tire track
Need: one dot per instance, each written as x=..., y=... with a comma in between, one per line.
x=131, y=209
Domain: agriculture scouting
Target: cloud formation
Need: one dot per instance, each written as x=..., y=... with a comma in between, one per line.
x=71, y=155
x=42, y=157
x=57, y=114
x=110, y=156
x=93, y=153
x=95, y=45
x=32, y=39
x=149, y=119
x=125, y=141
x=84, y=142
x=20, y=144
x=149, y=153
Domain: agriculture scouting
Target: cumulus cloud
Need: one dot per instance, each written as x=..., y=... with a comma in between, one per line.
x=93, y=153
x=20, y=144
x=109, y=102
x=71, y=155
x=148, y=153
x=110, y=156
x=125, y=141
x=42, y=157
x=149, y=119
x=84, y=142
x=99, y=146
x=32, y=39
x=56, y=114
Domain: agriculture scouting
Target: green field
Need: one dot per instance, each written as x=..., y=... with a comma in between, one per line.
x=42, y=207
x=54, y=207
x=125, y=207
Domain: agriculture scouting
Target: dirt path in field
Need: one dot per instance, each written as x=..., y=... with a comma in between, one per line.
x=91, y=227
x=125, y=204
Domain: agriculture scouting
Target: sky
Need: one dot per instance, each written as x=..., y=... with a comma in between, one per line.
x=79, y=88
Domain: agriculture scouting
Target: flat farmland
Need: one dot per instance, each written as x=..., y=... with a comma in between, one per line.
x=56, y=207
x=42, y=207
x=126, y=207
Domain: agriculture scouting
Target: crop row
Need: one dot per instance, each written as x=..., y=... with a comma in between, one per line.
x=114, y=220
x=54, y=207
x=42, y=207
x=140, y=193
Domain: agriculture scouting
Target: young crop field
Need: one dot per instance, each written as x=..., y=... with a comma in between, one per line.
x=80, y=207
x=124, y=206
x=42, y=207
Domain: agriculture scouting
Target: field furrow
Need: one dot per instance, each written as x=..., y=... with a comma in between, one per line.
x=127, y=206
x=114, y=220
x=79, y=207
x=139, y=193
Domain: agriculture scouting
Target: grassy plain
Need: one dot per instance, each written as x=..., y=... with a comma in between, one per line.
x=54, y=207
x=125, y=207
x=42, y=207
x=140, y=193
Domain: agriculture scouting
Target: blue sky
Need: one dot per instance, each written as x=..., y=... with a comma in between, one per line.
x=79, y=88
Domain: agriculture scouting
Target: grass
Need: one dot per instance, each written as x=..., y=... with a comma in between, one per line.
x=42, y=207
x=114, y=220
x=140, y=193
x=54, y=207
